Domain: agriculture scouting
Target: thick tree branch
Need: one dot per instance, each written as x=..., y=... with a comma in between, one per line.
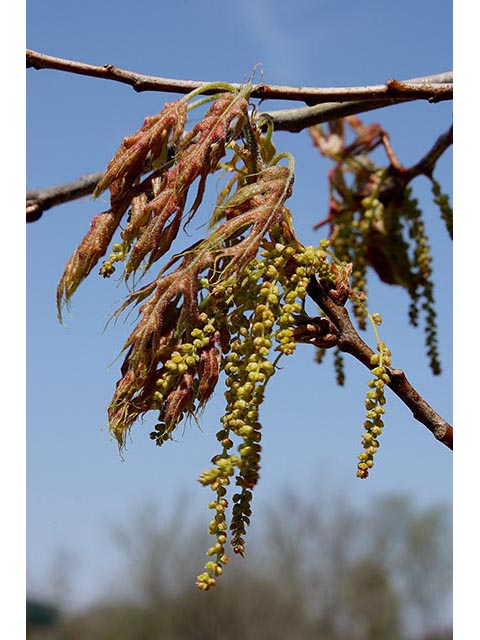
x=350, y=342
x=425, y=89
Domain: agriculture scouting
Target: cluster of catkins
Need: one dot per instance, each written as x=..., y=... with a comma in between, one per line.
x=376, y=222
x=261, y=325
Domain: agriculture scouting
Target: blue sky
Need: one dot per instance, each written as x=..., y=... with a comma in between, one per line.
x=77, y=482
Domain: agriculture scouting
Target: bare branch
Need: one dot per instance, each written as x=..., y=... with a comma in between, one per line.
x=393, y=89
x=426, y=164
x=295, y=120
x=350, y=342
x=40, y=200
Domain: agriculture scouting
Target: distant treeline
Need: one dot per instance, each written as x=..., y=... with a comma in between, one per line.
x=323, y=572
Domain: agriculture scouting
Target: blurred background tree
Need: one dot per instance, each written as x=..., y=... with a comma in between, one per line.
x=335, y=573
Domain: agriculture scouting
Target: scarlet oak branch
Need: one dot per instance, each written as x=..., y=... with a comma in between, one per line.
x=350, y=342
x=408, y=90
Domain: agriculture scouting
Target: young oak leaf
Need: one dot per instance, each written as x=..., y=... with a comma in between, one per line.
x=197, y=156
x=145, y=147
x=167, y=319
x=93, y=246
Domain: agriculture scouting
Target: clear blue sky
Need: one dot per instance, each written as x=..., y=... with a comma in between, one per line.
x=77, y=482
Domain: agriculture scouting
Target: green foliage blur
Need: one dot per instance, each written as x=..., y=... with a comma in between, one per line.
x=325, y=572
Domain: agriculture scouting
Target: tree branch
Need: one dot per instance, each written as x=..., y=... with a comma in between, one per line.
x=423, y=89
x=40, y=200
x=294, y=120
x=347, y=101
x=350, y=342
x=426, y=164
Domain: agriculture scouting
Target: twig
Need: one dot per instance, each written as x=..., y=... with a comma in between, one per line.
x=40, y=200
x=426, y=164
x=400, y=176
x=409, y=90
x=394, y=161
x=295, y=120
x=350, y=342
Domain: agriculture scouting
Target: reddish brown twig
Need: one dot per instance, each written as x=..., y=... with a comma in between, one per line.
x=407, y=90
x=349, y=100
